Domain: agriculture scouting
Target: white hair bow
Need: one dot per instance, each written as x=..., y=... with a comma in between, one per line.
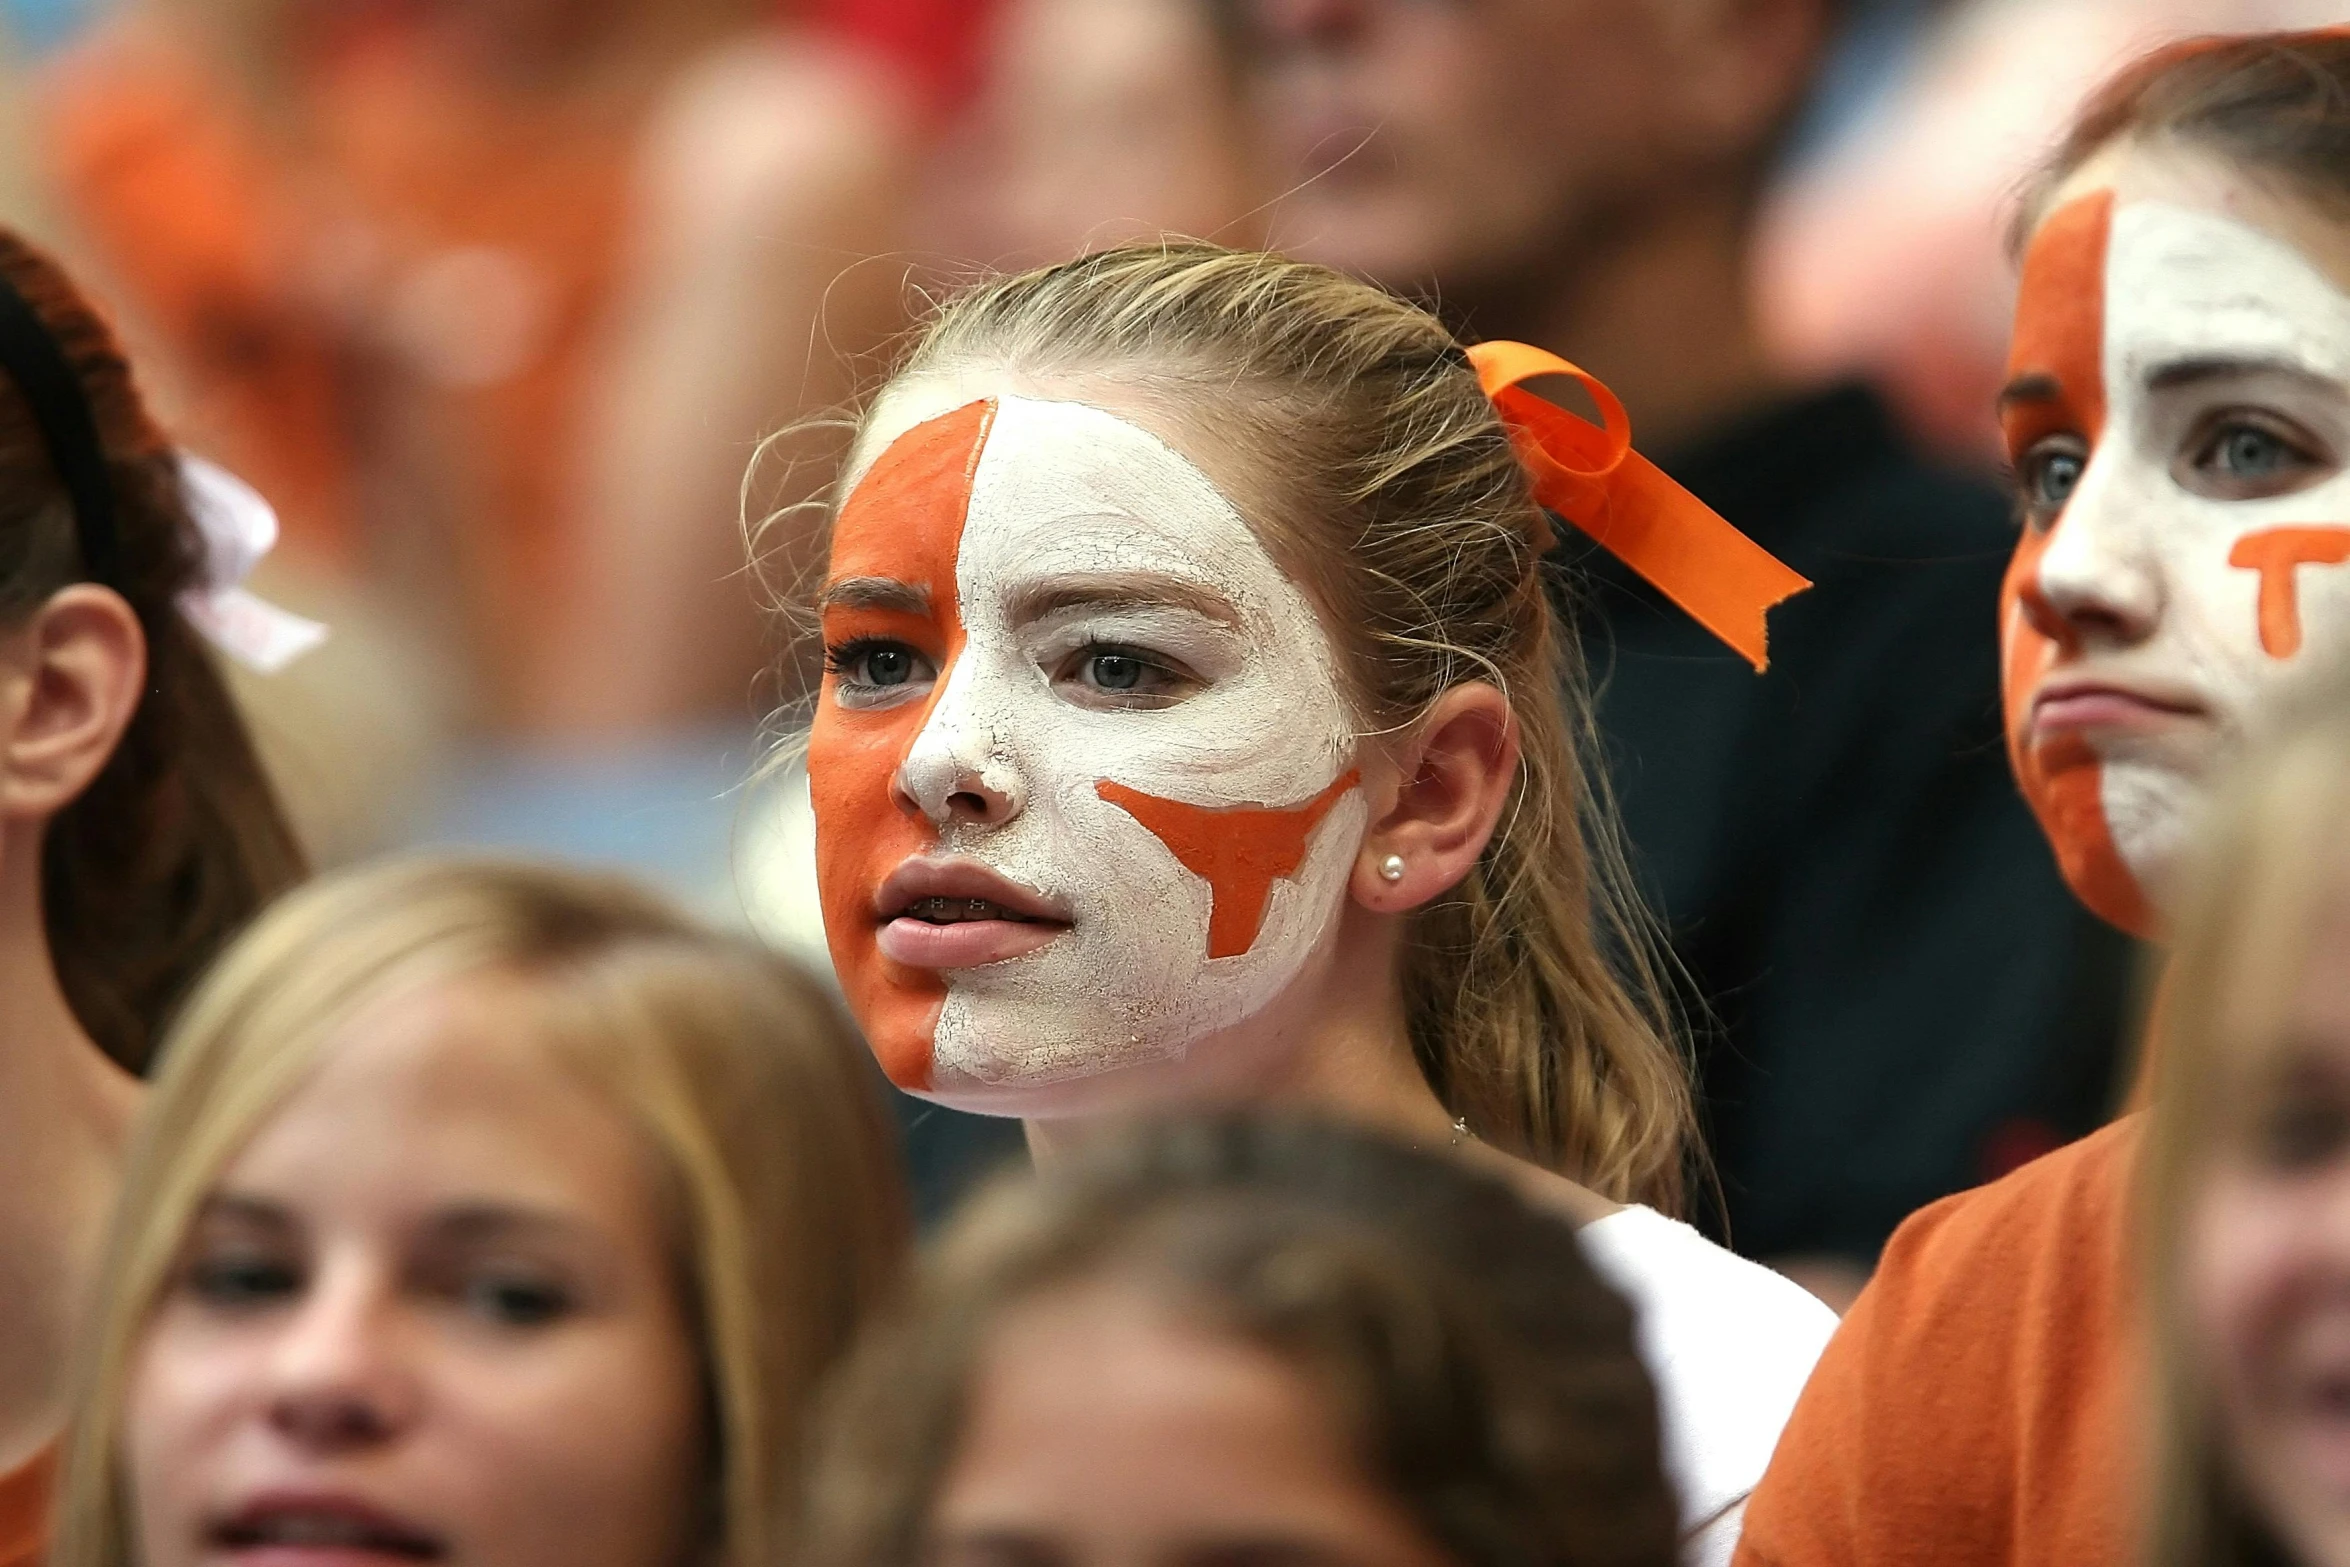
x=238, y=527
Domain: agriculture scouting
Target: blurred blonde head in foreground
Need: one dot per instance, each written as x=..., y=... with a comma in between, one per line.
x=481, y=1212
x=2248, y=1170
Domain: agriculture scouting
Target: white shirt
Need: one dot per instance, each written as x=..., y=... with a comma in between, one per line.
x=1728, y=1343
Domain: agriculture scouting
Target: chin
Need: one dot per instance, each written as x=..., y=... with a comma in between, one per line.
x=1006, y=1074
x=2150, y=811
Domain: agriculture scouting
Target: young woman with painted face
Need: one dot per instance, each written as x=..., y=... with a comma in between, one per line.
x=1193, y=734
x=1249, y=1339
x=137, y=830
x=2248, y=1170
x=2178, y=412
x=481, y=1214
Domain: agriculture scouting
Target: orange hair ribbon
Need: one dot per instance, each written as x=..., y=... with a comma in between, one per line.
x=1590, y=475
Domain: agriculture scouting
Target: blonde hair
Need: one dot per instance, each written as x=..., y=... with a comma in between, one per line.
x=2272, y=856
x=1386, y=485
x=734, y=1066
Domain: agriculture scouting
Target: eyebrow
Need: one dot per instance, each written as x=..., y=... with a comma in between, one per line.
x=2038, y=387
x=231, y=1208
x=875, y=593
x=1122, y=590
x=475, y=1222
x=2222, y=367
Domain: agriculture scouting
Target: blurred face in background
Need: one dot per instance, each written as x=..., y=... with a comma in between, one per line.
x=2264, y=1258
x=1101, y=121
x=1464, y=143
x=2178, y=413
x=428, y=1313
x=1104, y=1429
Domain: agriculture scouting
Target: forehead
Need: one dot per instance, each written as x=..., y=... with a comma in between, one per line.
x=2185, y=282
x=2204, y=183
x=1064, y=485
x=447, y=1086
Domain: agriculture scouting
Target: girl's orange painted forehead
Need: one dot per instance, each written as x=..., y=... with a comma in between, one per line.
x=904, y=521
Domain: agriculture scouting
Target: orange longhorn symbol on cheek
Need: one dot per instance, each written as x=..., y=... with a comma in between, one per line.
x=2277, y=554
x=1239, y=852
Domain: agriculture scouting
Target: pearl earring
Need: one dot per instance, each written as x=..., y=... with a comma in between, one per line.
x=1391, y=868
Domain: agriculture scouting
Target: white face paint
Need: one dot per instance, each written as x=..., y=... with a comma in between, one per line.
x=2226, y=369
x=1121, y=626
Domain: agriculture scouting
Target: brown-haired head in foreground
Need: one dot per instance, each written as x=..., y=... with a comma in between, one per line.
x=2273, y=103
x=1484, y=1376
x=180, y=840
x=2272, y=854
x=751, y=1095
x=1382, y=481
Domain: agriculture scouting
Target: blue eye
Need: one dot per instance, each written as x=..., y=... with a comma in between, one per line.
x=873, y=671
x=2052, y=478
x=1117, y=671
x=2250, y=453
x=889, y=666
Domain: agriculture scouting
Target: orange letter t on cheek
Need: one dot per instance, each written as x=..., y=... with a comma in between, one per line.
x=2277, y=553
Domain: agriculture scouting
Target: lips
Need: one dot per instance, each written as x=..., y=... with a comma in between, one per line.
x=316, y=1529
x=2081, y=706
x=958, y=913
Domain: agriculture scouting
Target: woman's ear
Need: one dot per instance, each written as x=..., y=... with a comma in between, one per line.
x=70, y=679
x=1453, y=775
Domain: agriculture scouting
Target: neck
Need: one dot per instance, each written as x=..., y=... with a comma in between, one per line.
x=1336, y=1045
x=1662, y=313
x=65, y=1118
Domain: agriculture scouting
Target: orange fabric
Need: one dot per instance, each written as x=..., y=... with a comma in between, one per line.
x=2278, y=554
x=1590, y=475
x=902, y=524
x=1980, y=1404
x=24, y=1510
x=290, y=276
x=1238, y=851
x=2056, y=373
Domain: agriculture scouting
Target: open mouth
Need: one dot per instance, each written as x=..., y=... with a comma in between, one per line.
x=324, y=1533
x=959, y=913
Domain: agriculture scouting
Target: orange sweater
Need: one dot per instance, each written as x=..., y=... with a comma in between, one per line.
x=24, y=1511
x=1978, y=1406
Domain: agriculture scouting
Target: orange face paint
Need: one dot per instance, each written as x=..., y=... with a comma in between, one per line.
x=1239, y=851
x=903, y=525
x=2278, y=554
x=2056, y=377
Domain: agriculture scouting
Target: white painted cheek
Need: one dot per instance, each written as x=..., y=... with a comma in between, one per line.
x=2185, y=285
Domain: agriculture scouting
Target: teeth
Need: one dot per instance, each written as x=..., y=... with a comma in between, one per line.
x=954, y=911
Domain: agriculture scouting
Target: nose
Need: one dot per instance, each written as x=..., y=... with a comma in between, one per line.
x=2100, y=583
x=337, y=1379
x=959, y=770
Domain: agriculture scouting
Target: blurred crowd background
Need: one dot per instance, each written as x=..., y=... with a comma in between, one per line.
x=523, y=311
